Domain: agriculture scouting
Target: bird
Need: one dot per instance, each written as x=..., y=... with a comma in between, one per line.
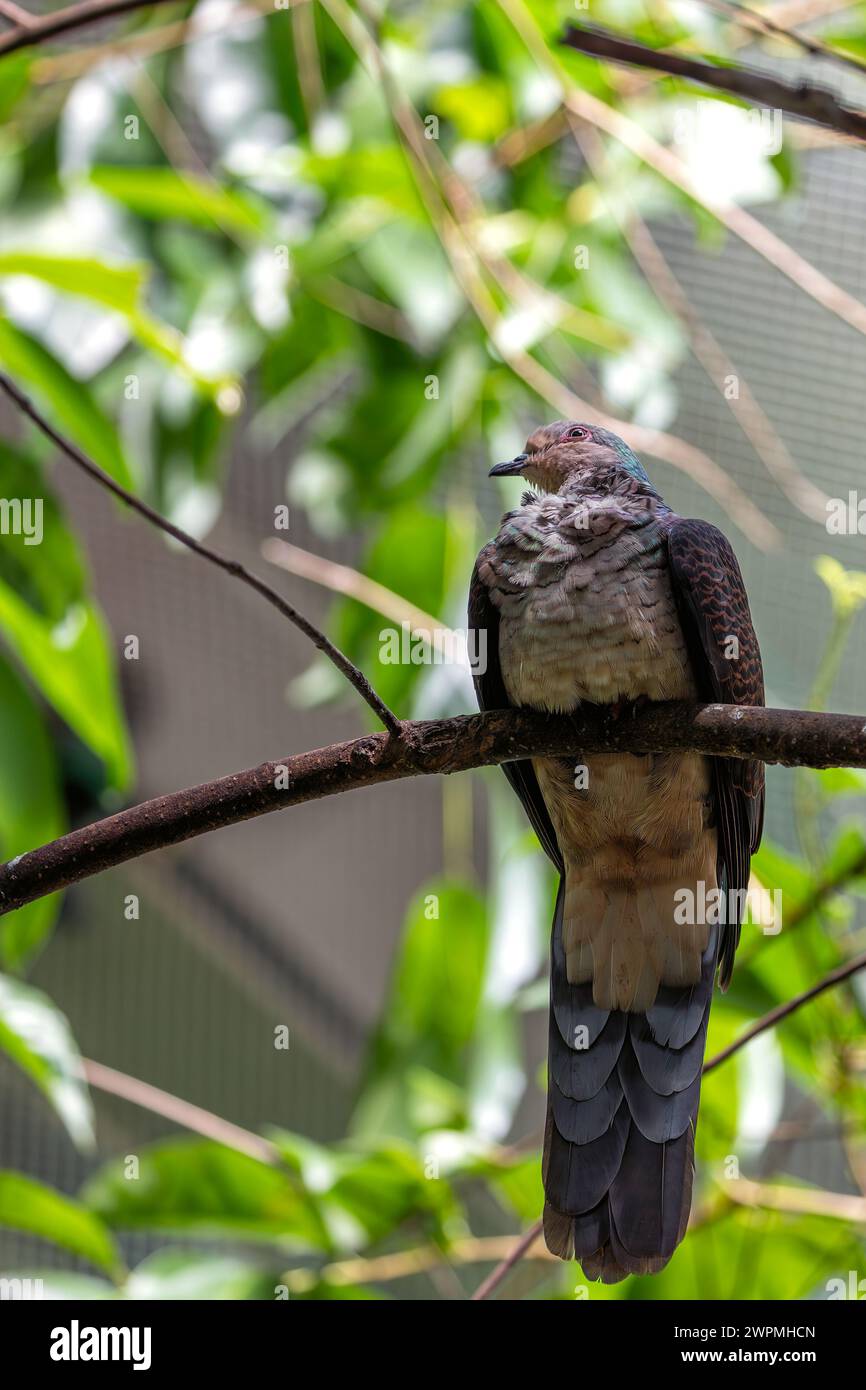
x=594, y=592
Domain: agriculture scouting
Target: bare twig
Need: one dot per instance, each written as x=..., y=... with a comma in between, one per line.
x=769, y=1020
x=459, y=249
x=763, y=24
x=342, y=579
x=753, y=420
x=807, y=103
x=180, y=1112
x=656, y=156
x=495, y=1278
x=823, y=889
x=799, y=1201
x=402, y=1264
x=14, y=13
x=353, y=675
x=789, y=737
x=48, y=26
x=59, y=67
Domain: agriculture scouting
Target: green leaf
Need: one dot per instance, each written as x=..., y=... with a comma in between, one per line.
x=163, y=194
x=53, y=627
x=437, y=983
x=180, y=1275
x=62, y=1285
x=840, y=781
x=120, y=288
x=71, y=663
x=31, y=809
x=194, y=1185
x=69, y=402
x=383, y=1189
x=431, y=1011
x=36, y=1036
x=847, y=587
x=27, y=1205
x=50, y=588
x=14, y=81
x=114, y=286
x=410, y=557
x=755, y=1255
x=377, y=1189
x=520, y=1186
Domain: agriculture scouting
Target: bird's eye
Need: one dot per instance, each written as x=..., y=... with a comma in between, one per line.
x=577, y=433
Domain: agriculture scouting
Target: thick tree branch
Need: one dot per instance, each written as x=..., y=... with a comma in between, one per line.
x=48, y=26
x=806, y=102
x=347, y=668
x=790, y=737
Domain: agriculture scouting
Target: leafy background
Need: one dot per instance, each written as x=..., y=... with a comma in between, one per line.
x=248, y=237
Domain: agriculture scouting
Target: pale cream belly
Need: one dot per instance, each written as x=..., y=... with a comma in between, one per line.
x=637, y=840
x=634, y=832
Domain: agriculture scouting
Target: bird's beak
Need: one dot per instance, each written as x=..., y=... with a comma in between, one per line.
x=509, y=470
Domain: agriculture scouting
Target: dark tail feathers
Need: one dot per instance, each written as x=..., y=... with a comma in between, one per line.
x=622, y=1108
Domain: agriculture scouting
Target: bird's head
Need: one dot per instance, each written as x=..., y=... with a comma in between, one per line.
x=565, y=450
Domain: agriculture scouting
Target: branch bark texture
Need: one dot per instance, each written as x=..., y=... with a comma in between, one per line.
x=49, y=26
x=804, y=101
x=789, y=737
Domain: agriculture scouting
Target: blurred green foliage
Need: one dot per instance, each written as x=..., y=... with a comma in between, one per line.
x=295, y=267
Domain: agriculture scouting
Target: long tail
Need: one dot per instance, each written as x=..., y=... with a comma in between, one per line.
x=622, y=1108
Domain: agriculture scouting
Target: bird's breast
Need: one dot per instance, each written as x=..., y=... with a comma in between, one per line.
x=594, y=623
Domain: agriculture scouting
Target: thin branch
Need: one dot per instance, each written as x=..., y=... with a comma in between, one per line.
x=658, y=157
x=763, y=24
x=15, y=15
x=841, y=1206
x=73, y=17
x=342, y=579
x=353, y=675
x=769, y=1020
x=361, y=307
x=180, y=1112
x=402, y=1264
x=719, y=368
x=61, y=67
x=460, y=251
x=439, y=746
x=807, y=103
x=799, y=1201
x=823, y=889
x=495, y=1278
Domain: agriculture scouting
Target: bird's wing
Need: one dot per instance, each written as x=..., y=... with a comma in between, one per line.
x=490, y=693
x=726, y=661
